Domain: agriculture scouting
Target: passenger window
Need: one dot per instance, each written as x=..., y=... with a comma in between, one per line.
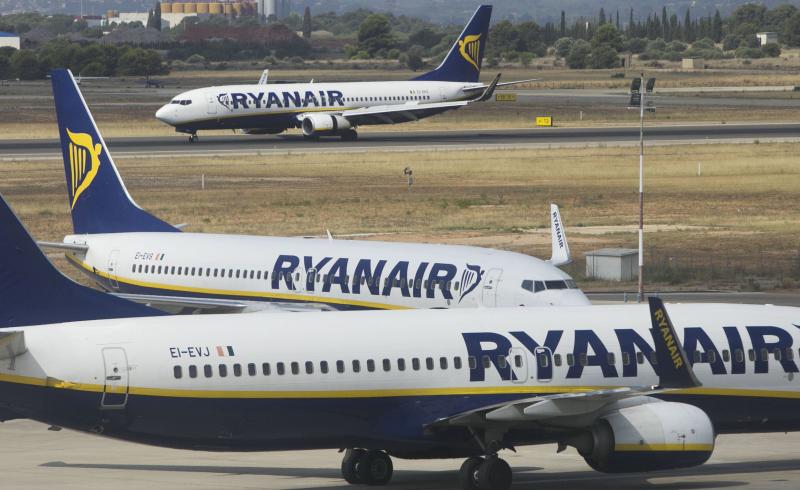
x=777, y=354
x=401, y=364
x=726, y=355
x=570, y=359
x=251, y=369
x=177, y=372
x=387, y=365
x=339, y=366
x=370, y=365
x=751, y=354
x=502, y=362
x=456, y=286
x=237, y=369
x=237, y=273
x=639, y=358
x=147, y=269
x=133, y=269
x=557, y=359
x=711, y=356
x=356, y=366
x=295, y=368
x=487, y=362
x=223, y=370
x=207, y=372
x=472, y=362
x=323, y=367
x=442, y=363
x=415, y=364
x=180, y=270
x=280, y=368
x=208, y=271
x=192, y=371
x=653, y=358
x=258, y=275
x=764, y=354
x=739, y=353
x=544, y=361
x=626, y=359
x=456, y=363
x=611, y=358
x=429, y=363
x=172, y=270
x=265, y=369
x=309, y=367
x=584, y=359
x=789, y=354
x=696, y=356
x=193, y=270
x=216, y=271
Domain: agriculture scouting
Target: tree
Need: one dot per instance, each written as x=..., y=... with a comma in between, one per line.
x=607, y=35
x=688, y=31
x=563, y=31
x=603, y=56
x=602, y=17
x=157, y=17
x=26, y=66
x=563, y=46
x=137, y=61
x=631, y=25
x=791, y=33
x=665, y=25
x=425, y=37
x=5, y=67
x=771, y=50
x=413, y=57
x=375, y=33
x=307, y=23
x=578, y=54
x=716, y=28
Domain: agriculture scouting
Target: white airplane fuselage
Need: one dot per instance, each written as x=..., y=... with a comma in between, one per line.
x=345, y=274
x=377, y=379
x=276, y=107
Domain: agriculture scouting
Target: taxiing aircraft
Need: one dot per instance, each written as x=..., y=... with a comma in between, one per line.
x=337, y=109
x=127, y=250
x=631, y=391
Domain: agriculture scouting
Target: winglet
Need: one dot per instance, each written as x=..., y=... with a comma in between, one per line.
x=33, y=292
x=487, y=94
x=560, y=253
x=674, y=368
x=264, y=77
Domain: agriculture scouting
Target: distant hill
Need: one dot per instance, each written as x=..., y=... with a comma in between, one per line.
x=439, y=11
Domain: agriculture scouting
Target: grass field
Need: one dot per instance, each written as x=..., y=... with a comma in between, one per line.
x=742, y=207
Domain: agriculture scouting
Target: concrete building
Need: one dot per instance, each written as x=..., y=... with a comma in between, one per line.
x=767, y=38
x=613, y=264
x=9, y=39
x=692, y=64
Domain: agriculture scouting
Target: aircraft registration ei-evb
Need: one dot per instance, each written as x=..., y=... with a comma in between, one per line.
x=128, y=251
x=337, y=109
x=630, y=390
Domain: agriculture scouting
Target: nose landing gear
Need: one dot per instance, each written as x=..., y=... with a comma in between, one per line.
x=193, y=138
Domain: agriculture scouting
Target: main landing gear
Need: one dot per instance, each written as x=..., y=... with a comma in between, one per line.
x=371, y=467
x=360, y=466
x=193, y=138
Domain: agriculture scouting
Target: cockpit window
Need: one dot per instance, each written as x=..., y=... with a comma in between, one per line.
x=532, y=286
x=181, y=101
x=556, y=284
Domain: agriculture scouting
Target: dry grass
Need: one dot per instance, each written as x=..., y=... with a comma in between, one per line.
x=744, y=201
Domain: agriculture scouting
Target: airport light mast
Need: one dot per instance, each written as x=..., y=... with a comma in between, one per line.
x=637, y=101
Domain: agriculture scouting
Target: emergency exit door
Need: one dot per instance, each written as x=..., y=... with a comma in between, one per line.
x=115, y=388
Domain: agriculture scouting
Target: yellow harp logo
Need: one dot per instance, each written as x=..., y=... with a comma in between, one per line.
x=470, y=48
x=84, y=161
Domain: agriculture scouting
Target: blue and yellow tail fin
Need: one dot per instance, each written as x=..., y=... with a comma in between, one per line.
x=98, y=198
x=463, y=61
x=34, y=292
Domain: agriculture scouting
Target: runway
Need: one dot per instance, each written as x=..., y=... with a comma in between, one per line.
x=411, y=140
x=33, y=457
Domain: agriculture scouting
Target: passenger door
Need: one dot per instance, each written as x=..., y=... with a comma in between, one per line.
x=113, y=263
x=490, y=284
x=115, y=388
x=212, y=102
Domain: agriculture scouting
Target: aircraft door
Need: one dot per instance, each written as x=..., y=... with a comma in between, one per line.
x=115, y=388
x=544, y=364
x=113, y=263
x=442, y=94
x=212, y=103
x=490, y=284
x=517, y=361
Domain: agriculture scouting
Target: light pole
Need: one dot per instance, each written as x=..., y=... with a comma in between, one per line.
x=638, y=95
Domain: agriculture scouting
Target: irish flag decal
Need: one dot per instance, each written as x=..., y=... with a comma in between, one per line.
x=225, y=351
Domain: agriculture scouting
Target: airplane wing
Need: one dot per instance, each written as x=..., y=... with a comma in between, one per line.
x=499, y=84
x=192, y=304
x=582, y=408
x=389, y=114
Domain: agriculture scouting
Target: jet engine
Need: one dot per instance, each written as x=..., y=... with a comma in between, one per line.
x=314, y=124
x=648, y=437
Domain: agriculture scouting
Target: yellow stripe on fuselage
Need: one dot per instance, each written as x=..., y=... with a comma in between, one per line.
x=223, y=292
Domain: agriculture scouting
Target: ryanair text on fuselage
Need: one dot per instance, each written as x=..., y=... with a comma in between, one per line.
x=296, y=99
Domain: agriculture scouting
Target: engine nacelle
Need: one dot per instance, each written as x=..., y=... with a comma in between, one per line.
x=313, y=124
x=648, y=437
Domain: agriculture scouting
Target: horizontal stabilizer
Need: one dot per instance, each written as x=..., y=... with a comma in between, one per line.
x=70, y=247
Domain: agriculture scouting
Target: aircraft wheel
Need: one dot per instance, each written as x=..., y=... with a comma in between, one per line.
x=467, y=474
x=375, y=468
x=494, y=474
x=193, y=138
x=350, y=463
x=349, y=135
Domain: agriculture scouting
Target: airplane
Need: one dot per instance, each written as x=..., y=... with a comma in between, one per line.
x=337, y=109
x=625, y=386
x=126, y=250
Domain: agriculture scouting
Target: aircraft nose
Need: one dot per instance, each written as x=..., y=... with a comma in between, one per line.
x=166, y=114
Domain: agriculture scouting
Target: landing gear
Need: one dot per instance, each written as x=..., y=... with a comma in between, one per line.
x=366, y=467
x=193, y=138
x=349, y=135
x=491, y=473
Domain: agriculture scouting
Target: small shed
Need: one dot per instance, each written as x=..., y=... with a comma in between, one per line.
x=693, y=64
x=767, y=38
x=613, y=264
x=9, y=39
